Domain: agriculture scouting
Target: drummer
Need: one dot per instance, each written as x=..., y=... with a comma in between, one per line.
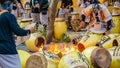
x=96, y=13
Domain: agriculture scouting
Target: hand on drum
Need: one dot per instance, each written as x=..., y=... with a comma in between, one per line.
x=32, y=30
x=89, y=26
x=83, y=25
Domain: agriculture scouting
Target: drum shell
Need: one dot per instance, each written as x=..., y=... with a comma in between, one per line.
x=93, y=52
x=35, y=42
x=115, y=53
x=60, y=28
x=43, y=59
x=23, y=57
x=108, y=41
x=89, y=40
x=73, y=60
x=116, y=21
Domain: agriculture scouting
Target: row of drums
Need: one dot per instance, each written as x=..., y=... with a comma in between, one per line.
x=89, y=55
x=86, y=40
x=36, y=41
x=92, y=57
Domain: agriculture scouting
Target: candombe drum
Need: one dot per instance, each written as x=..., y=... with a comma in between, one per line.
x=35, y=42
x=75, y=21
x=43, y=59
x=88, y=40
x=23, y=57
x=116, y=28
x=74, y=60
x=108, y=41
x=116, y=20
x=60, y=28
x=115, y=53
x=97, y=57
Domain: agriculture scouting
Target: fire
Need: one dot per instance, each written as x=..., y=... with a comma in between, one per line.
x=62, y=48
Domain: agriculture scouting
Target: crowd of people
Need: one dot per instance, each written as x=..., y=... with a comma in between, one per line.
x=92, y=12
x=39, y=10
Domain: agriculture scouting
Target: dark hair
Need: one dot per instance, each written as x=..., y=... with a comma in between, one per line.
x=6, y=4
x=96, y=5
x=2, y=1
x=96, y=1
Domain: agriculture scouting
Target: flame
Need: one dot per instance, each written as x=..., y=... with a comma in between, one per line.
x=64, y=48
x=40, y=49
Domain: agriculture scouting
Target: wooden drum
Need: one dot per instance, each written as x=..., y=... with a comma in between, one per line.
x=60, y=28
x=115, y=53
x=35, y=42
x=98, y=57
x=108, y=41
x=88, y=40
x=74, y=60
x=43, y=59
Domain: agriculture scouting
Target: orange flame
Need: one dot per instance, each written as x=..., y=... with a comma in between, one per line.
x=61, y=47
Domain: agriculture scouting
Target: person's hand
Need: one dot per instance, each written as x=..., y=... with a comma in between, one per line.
x=89, y=26
x=82, y=24
x=36, y=6
x=32, y=30
x=107, y=32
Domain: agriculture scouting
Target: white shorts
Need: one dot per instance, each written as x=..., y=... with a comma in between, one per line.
x=10, y=61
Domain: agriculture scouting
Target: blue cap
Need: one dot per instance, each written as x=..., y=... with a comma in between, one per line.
x=7, y=5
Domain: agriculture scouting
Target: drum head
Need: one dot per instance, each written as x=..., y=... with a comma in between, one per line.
x=36, y=60
x=100, y=58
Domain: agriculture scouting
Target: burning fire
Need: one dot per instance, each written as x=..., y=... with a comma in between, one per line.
x=62, y=48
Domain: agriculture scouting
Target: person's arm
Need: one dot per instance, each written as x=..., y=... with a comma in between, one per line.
x=71, y=3
x=82, y=23
x=83, y=17
x=108, y=17
x=86, y=12
x=109, y=25
x=31, y=3
x=15, y=27
x=19, y=1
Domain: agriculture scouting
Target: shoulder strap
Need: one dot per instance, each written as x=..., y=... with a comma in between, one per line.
x=3, y=11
